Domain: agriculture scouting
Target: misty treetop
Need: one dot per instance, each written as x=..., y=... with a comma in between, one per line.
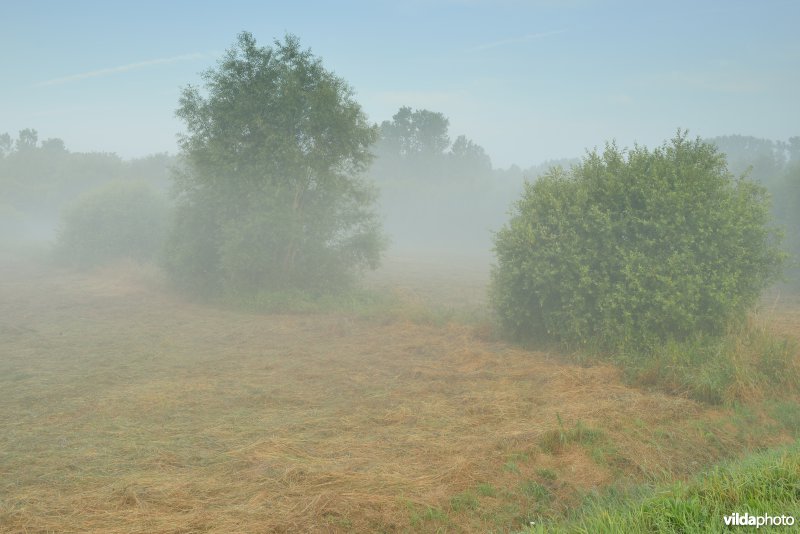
x=447, y=185
x=272, y=197
x=273, y=114
x=418, y=132
x=457, y=198
x=416, y=146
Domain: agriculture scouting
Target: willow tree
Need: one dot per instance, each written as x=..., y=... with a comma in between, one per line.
x=272, y=194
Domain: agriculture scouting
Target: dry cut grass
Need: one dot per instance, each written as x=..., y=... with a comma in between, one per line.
x=124, y=408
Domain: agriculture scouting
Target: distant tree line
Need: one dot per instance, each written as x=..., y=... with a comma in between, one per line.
x=776, y=165
x=455, y=194
x=279, y=162
x=416, y=146
x=439, y=194
x=40, y=179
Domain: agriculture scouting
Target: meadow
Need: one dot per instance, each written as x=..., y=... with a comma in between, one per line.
x=125, y=407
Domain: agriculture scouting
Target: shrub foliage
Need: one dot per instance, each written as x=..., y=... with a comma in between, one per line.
x=117, y=220
x=632, y=248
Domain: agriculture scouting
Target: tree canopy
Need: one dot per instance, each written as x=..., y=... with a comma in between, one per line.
x=272, y=196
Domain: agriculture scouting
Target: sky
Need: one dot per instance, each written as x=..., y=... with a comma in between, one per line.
x=528, y=80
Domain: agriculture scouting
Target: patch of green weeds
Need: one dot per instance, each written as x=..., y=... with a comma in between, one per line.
x=464, y=502
x=511, y=467
x=556, y=440
x=534, y=490
x=418, y=515
x=338, y=521
x=485, y=489
x=787, y=413
x=518, y=457
x=547, y=474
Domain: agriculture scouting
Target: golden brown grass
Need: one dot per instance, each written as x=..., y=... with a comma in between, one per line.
x=124, y=408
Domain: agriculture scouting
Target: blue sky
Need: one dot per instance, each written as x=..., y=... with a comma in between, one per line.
x=528, y=80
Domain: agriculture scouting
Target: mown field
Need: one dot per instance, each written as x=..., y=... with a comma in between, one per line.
x=127, y=408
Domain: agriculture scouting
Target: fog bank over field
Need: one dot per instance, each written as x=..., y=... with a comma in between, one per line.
x=397, y=266
x=41, y=178
x=440, y=196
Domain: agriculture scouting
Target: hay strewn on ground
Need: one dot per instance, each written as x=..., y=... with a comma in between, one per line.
x=127, y=409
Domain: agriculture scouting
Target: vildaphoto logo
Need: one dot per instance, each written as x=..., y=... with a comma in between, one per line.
x=747, y=520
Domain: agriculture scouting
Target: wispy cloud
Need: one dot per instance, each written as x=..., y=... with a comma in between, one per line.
x=121, y=68
x=732, y=81
x=515, y=40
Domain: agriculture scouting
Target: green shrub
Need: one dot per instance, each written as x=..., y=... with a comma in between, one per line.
x=633, y=248
x=486, y=490
x=118, y=220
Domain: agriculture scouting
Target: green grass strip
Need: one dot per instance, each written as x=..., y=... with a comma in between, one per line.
x=762, y=484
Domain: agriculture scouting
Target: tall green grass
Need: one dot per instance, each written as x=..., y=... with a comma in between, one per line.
x=747, y=364
x=766, y=483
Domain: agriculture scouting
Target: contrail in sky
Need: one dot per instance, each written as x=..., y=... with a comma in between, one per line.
x=121, y=68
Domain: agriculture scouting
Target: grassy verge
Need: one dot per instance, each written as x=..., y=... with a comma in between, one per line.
x=380, y=305
x=748, y=364
x=763, y=484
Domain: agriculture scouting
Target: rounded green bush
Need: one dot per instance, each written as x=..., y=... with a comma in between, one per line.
x=117, y=220
x=631, y=248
